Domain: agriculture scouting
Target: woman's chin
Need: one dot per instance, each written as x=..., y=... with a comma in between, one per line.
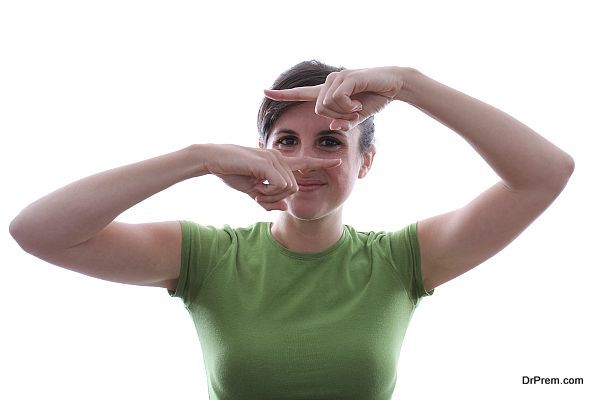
x=303, y=210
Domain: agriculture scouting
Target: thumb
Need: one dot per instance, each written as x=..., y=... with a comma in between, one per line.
x=309, y=163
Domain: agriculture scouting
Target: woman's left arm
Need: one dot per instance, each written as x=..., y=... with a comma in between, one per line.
x=524, y=159
x=533, y=173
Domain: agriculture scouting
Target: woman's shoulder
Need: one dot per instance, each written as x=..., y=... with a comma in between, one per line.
x=375, y=235
x=226, y=226
x=225, y=233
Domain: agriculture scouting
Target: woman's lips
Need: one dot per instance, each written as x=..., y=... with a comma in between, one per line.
x=309, y=187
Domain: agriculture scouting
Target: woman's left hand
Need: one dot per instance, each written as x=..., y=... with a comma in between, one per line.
x=350, y=96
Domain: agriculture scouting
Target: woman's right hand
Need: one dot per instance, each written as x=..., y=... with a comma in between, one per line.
x=246, y=169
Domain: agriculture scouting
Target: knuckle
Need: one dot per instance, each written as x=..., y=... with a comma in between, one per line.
x=278, y=190
x=331, y=76
x=338, y=95
x=320, y=108
x=270, y=189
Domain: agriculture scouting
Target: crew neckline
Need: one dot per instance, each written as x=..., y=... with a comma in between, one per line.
x=266, y=231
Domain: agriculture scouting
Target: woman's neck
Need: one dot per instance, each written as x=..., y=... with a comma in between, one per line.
x=308, y=236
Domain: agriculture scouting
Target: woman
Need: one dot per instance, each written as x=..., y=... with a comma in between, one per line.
x=305, y=307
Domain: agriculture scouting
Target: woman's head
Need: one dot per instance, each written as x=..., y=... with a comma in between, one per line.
x=305, y=73
x=294, y=129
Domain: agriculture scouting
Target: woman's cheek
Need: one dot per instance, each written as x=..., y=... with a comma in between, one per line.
x=340, y=176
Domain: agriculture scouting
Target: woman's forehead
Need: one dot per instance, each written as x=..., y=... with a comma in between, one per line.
x=303, y=118
x=300, y=110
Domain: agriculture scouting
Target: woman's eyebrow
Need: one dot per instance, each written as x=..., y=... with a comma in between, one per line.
x=320, y=133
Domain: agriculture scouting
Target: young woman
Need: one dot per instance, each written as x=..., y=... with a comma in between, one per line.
x=305, y=307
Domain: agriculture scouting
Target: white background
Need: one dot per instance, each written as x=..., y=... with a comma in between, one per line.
x=89, y=86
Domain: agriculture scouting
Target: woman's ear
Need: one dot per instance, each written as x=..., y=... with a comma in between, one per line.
x=367, y=162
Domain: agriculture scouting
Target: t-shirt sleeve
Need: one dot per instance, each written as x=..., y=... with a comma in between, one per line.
x=406, y=259
x=202, y=246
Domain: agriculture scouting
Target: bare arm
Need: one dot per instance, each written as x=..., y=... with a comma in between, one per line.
x=524, y=159
x=78, y=211
x=533, y=170
x=533, y=173
x=73, y=226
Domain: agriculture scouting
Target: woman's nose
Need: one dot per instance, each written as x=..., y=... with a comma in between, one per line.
x=306, y=152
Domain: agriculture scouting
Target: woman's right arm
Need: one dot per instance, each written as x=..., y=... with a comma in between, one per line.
x=73, y=227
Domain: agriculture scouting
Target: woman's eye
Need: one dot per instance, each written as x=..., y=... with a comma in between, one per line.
x=282, y=141
x=331, y=141
x=290, y=141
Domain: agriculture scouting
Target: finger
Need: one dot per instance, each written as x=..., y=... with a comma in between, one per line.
x=274, y=195
x=345, y=125
x=326, y=107
x=277, y=183
x=329, y=108
x=269, y=206
x=293, y=188
x=285, y=170
x=326, y=112
x=345, y=89
x=286, y=174
x=320, y=107
x=335, y=104
x=302, y=93
x=264, y=198
x=271, y=199
x=341, y=110
x=268, y=188
x=309, y=163
x=290, y=190
x=279, y=205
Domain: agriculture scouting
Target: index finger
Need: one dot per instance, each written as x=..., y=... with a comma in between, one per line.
x=302, y=93
x=308, y=163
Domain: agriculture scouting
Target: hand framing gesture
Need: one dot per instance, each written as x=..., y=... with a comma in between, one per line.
x=350, y=96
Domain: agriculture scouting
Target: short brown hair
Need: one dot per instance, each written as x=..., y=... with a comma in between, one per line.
x=305, y=73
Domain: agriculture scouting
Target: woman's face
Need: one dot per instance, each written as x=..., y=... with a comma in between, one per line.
x=302, y=132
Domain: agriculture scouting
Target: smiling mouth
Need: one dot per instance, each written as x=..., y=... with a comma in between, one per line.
x=310, y=187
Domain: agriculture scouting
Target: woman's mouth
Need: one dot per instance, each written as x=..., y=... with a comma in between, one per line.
x=309, y=187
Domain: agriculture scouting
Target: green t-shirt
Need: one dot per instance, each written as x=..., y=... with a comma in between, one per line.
x=276, y=324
